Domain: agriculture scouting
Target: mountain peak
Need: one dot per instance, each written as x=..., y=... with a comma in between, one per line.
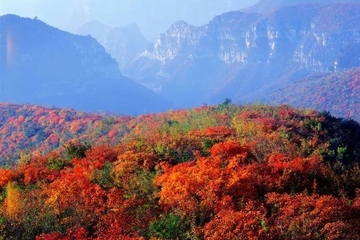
x=179, y=26
x=133, y=27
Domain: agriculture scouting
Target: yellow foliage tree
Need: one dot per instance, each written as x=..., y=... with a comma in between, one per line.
x=13, y=205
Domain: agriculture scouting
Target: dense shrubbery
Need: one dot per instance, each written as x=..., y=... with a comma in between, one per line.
x=227, y=172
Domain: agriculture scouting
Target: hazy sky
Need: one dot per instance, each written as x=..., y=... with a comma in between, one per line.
x=153, y=16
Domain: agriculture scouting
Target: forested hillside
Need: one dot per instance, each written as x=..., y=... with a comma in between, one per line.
x=336, y=92
x=26, y=128
x=215, y=172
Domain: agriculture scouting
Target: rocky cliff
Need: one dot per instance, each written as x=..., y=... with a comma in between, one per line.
x=244, y=56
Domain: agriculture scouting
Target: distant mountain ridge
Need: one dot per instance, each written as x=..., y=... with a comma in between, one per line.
x=40, y=64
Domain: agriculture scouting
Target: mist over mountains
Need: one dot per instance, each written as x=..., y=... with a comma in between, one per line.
x=153, y=17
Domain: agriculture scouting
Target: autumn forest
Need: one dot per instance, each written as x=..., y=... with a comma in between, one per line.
x=214, y=172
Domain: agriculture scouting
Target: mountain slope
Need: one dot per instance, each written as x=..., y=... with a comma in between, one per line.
x=338, y=93
x=43, y=65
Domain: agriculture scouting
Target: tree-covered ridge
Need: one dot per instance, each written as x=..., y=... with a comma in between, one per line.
x=216, y=172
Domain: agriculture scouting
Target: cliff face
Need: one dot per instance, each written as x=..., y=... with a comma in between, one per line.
x=40, y=64
x=243, y=56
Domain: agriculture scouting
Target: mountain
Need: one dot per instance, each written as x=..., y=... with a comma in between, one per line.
x=264, y=6
x=335, y=92
x=245, y=56
x=42, y=65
